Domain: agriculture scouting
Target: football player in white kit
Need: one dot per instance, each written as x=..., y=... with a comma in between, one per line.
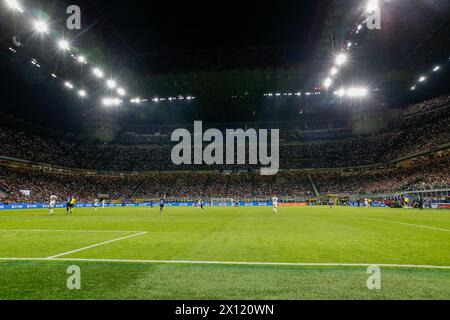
x=52, y=204
x=275, y=205
x=95, y=204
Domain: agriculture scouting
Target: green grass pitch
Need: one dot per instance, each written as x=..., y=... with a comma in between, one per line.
x=302, y=253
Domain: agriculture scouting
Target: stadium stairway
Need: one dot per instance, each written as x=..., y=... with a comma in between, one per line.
x=313, y=185
x=138, y=188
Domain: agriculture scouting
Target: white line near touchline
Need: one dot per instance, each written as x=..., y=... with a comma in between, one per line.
x=77, y=231
x=281, y=264
x=411, y=225
x=95, y=245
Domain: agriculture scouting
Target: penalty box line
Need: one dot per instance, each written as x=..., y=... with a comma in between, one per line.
x=410, y=224
x=74, y=231
x=229, y=263
x=96, y=245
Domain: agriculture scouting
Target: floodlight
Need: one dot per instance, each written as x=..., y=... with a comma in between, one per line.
x=68, y=85
x=357, y=92
x=436, y=68
x=64, y=45
x=121, y=92
x=327, y=83
x=340, y=92
x=81, y=59
x=107, y=102
x=14, y=4
x=341, y=59
x=98, y=73
x=54, y=75
x=40, y=26
x=422, y=79
x=111, y=84
x=334, y=71
x=372, y=6
x=82, y=93
x=413, y=88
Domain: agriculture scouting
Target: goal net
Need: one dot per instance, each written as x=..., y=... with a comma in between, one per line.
x=222, y=201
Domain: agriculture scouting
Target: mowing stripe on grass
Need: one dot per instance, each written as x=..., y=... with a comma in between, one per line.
x=77, y=231
x=96, y=245
x=410, y=224
x=275, y=264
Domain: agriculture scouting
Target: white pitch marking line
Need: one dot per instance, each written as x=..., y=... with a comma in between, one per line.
x=96, y=245
x=78, y=231
x=286, y=264
x=411, y=225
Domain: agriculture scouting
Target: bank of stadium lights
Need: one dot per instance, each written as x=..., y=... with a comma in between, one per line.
x=64, y=45
x=357, y=92
x=111, y=84
x=341, y=59
x=352, y=92
x=423, y=78
x=41, y=26
x=334, y=71
x=111, y=102
x=82, y=93
x=98, y=73
x=327, y=83
x=372, y=6
x=159, y=99
x=14, y=5
x=35, y=63
x=289, y=94
x=82, y=60
x=121, y=92
x=68, y=85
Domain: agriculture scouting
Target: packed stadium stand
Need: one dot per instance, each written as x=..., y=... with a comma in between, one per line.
x=412, y=154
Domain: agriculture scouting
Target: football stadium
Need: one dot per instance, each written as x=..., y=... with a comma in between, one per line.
x=295, y=151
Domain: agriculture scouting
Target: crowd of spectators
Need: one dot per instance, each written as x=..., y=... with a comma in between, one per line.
x=41, y=185
x=420, y=128
x=421, y=175
x=153, y=186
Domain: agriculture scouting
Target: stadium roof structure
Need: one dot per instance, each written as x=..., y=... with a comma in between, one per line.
x=388, y=60
x=279, y=64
